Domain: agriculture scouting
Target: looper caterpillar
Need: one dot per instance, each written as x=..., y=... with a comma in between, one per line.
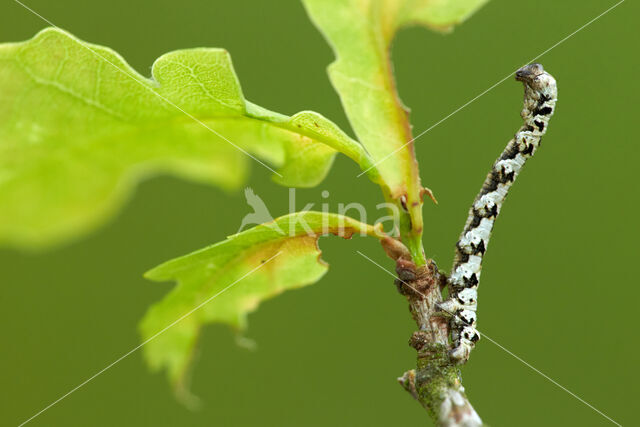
x=540, y=96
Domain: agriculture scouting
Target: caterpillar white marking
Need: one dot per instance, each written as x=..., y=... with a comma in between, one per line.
x=540, y=96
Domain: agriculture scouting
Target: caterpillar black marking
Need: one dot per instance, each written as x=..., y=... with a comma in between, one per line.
x=540, y=96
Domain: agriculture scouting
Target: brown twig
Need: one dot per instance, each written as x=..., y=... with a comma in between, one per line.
x=435, y=382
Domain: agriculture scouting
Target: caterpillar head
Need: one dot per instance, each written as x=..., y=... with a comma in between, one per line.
x=534, y=76
x=529, y=72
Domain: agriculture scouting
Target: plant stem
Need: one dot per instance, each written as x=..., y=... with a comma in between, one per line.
x=435, y=382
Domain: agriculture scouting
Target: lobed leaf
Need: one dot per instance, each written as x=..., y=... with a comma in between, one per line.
x=224, y=282
x=360, y=33
x=79, y=127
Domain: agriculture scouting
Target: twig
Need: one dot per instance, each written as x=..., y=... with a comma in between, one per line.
x=435, y=382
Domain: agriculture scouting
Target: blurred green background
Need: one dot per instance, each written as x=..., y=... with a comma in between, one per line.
x=559, y=282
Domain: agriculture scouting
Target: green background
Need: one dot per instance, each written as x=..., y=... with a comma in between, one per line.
x=560, y=284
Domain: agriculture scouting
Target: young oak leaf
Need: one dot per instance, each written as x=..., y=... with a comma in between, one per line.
x=224, y=282
x=360, y=33
x=79, y=127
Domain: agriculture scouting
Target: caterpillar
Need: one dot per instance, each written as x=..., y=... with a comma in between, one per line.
x=540, y=96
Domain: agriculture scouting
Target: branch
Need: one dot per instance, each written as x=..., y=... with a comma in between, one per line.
x=435, y=382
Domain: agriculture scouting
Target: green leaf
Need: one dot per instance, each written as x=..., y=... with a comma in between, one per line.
x=225, y=281
x=79, y=127
x=440, y=15
x=360, y=33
